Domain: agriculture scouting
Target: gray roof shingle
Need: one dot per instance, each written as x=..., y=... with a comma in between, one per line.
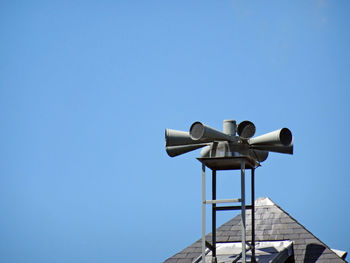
x=271, y=224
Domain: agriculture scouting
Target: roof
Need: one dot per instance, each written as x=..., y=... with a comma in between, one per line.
x=265, y=252
x=271, y=224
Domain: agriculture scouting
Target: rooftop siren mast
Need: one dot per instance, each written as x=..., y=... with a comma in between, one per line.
x=232, y=149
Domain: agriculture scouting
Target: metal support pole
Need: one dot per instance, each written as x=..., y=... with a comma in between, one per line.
x=253, y=214
x=203, y=213
x=243, y=211
x=213, y=214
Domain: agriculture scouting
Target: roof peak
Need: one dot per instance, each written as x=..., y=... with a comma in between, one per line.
x=272, y=223
x=264, y=201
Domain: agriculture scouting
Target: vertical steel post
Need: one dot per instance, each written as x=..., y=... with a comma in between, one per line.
x=213, y=215
x=243, y=210
x=253, y=214
x=203, y=213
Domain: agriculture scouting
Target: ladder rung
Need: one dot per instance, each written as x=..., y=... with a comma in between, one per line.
x=237, y=200
x=226, y=208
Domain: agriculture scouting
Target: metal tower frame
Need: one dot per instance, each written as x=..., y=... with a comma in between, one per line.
x=228, y=163
x=226, y=151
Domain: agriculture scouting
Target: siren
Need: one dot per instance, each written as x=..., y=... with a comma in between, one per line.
x=199, y=131
x=226, y=143
x=258, y=155
x=174, y=138
x=179, y=142
x=173, y=151
x=276, y=141
x=227, y=151
x=246, y=129
x=205, y=151
x=275, y=148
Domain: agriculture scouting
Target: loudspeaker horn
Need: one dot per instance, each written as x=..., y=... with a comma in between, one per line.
x=175, y=137
x=205, y=151
x=275, y=148
x=181, y=149
x=280, y=137
x=246, y=129
x=199, y=131
x=259, y=155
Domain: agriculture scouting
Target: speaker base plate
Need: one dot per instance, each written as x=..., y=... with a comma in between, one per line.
x=228, y=163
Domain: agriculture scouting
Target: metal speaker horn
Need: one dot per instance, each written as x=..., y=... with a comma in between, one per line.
x=175, y=137
x=246, y=129
x=275, y=148
x=205, y=152
x=199, y=131
x=173, y=151
x=180, y=142
x=259, y=155
x=280, y=137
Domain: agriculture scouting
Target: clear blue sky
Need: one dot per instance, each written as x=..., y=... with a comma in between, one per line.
x=88, y=87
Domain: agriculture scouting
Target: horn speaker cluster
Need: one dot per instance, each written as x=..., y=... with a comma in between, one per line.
x=227, y=143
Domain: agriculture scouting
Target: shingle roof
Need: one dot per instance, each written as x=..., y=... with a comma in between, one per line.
x=271, y=223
